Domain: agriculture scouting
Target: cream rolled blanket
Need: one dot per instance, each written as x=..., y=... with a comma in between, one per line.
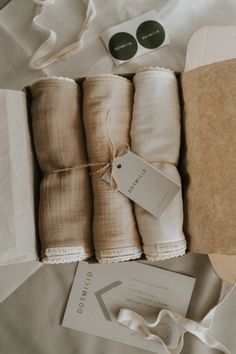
x=65, y=196
x=155, y=136
x=107, y=110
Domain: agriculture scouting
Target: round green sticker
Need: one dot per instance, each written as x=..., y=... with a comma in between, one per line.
x=123, y=46
x=150, y=34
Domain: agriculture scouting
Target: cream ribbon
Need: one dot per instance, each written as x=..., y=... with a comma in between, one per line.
x=138, y=324
x=39, y=60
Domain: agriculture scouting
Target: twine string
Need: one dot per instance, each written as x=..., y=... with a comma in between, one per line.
x=116, y=151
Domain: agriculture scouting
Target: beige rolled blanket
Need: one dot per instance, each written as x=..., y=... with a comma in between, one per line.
x=65, y=196
x=107, y=109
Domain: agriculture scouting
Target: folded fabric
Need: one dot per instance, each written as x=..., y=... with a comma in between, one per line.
x=107, y=109
x=209, y=157
x=65, y=197
x=155, y=137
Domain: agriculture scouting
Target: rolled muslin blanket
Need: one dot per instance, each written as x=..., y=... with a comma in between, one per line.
x=155, y=136
x=65, y=193
x=107, y=109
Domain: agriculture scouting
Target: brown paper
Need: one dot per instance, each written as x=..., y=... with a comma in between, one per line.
x=209, y=158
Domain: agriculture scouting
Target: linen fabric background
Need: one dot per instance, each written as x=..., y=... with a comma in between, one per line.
x=65, y=197
x=155, y=136
x=107, y=111
x=48, y=288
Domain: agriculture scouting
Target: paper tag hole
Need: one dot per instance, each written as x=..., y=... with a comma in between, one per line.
x=119, y=165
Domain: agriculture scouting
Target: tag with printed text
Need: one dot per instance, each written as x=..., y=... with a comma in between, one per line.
x=142, y=183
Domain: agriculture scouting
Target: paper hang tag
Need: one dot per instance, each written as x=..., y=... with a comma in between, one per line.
x=142, y=183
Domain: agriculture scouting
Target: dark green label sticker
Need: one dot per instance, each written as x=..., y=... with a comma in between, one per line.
x=123, y=46
x=150, y=34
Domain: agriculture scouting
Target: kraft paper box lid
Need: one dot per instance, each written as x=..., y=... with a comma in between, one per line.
x=209, y=45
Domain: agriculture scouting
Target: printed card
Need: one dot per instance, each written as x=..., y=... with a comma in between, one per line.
x=99, y=291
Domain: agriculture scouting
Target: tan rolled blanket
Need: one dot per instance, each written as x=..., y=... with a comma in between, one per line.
x=107, y=110
x=65, y=194
x=209, y=157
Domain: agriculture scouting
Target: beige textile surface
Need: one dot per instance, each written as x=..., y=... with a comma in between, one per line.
x=209, y=157
x=30, y=318
x=107, y=109
x=155, y=136
x=65, y=199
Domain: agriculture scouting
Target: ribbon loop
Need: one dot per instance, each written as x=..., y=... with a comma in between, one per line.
x=39, y=60
x=201, y=330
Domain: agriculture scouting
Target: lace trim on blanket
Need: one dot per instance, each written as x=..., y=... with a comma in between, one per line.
x=65, y=254
x=164, y=251
x=154, y=68
x=120, y=255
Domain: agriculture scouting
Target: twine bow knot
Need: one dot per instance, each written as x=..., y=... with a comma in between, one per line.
x=116, y=151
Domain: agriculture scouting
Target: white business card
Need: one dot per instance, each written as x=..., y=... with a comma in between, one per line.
x=99, y=291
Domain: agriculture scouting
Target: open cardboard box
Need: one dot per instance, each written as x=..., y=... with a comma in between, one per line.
x=20, y=175
x=22, y=192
